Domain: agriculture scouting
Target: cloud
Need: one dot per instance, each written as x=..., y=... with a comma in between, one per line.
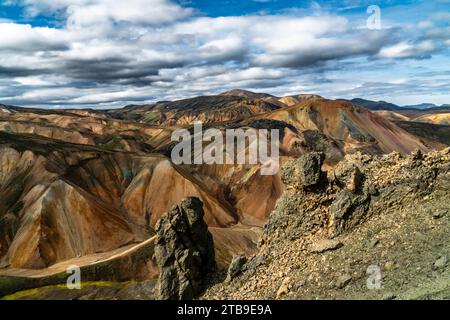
x=148, y=12
x=322, y=49
x=114, y=52
x=83, y=13
x=230, y=48
x=408, y=50
x=438, y=33
x=19, y=37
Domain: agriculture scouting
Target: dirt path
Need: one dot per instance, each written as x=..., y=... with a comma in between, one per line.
x=87, y=260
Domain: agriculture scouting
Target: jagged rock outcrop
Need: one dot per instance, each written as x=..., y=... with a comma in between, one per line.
x=301, y=208
x=304, y=172
x=346, y=195
x=385, y=213
x=184, y=251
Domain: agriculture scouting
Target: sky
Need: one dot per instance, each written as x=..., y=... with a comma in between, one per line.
x=109, y=53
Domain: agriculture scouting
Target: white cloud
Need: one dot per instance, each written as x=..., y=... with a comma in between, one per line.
x=118, y=51
x=94, y=12
x=408, y=50
x=426, y=24
x=21, y=37
x=228, y=48
x=152, y=12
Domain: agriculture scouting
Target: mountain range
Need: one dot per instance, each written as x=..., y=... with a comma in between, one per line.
x=87, y=187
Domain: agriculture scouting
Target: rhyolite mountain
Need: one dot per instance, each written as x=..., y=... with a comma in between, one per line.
x=87, y=187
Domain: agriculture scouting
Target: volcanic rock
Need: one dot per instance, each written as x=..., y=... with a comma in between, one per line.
x=325, y=245
x=236, y=266
x=184, y=251
x=343, y=281
x=310, y=168
x=395, y=218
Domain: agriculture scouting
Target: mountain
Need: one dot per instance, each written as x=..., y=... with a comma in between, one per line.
x=392, y=115
x=438, y=115
x=62, y=200
x=4, y=109
x=229, y=106
x=428, y=131
x=246, y=94
x=386, y=106
x=436, y=110
x=428, y=106
x=207, y=109
x=350, y=127
x=422, y=106
x=87, y=187
x=425, y=112
x=296, y=99
x=376, y=105
x=440, y=118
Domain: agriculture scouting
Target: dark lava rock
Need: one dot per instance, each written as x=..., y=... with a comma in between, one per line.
x=348, y=175
x=184, y=251
x=305, y=172
x=347, y=210
x=311, y=168
x=236, y=266
x=417, y=155
x=299, y=210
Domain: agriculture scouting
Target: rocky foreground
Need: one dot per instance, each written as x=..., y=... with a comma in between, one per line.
x=374, y=227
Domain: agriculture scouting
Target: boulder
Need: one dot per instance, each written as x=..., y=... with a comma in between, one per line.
x=325, y=245
x=304, y=172
x=348, y=175
x=310, y=167
x=417, y=155
x=236, y=266
x=439, y=213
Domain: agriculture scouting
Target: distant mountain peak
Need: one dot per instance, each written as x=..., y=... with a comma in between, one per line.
x=383, y=105
x=422, y=106
x=376, y=105
x=246, y=94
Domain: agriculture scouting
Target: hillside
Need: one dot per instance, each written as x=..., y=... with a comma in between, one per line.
x=372, y=228
x=208, y=109
x=246, y=94
x=109, y=200
x=377, y=105
x=440, y=118
x=350, y=126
